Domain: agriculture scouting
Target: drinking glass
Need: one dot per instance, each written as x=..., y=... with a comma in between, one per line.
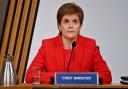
x=35, y=75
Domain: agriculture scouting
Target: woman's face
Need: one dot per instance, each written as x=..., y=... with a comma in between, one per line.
x=70, y=26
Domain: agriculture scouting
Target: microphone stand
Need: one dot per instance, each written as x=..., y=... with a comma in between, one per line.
x=73, y=46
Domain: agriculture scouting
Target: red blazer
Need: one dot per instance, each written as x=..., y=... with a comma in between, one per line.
x=86, y=58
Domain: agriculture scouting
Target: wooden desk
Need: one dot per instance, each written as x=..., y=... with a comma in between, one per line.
x=48, y=86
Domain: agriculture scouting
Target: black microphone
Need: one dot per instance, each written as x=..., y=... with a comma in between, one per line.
x=73, y=46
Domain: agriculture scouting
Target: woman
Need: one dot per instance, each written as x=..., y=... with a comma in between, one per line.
x=57, y=55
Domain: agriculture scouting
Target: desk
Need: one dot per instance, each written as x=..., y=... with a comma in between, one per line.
x=48, y=86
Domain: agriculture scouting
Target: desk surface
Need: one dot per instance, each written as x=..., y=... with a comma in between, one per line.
x=48, y=86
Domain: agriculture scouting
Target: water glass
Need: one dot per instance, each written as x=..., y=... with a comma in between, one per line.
x=35, y=75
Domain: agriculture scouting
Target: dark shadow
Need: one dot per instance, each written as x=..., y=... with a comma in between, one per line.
x=4, y=6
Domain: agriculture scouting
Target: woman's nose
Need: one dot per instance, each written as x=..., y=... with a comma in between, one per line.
x=70, y=25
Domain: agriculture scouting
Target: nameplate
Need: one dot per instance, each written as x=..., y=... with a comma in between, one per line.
x=77, y=78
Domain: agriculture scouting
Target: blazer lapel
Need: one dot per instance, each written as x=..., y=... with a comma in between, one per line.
x=78, y=54
x=59, y=54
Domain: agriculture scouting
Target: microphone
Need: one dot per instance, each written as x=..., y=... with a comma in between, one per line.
x=73, y=46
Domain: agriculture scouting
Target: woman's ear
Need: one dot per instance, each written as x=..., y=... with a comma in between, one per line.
x=59, y=27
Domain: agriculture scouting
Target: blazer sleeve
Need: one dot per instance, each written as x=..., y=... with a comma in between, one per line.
x=100, y=66
x=39, y=61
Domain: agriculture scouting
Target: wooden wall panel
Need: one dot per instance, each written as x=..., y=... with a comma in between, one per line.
x=27, y=37
x=15, y=27
x=22, y=29
x=18, y=33
x=6, y=32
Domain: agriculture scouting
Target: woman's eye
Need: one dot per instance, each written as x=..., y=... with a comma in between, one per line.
x=65, y=21
x=75, y=21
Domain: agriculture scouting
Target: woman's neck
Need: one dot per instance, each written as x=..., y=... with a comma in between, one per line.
x=68, y=42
